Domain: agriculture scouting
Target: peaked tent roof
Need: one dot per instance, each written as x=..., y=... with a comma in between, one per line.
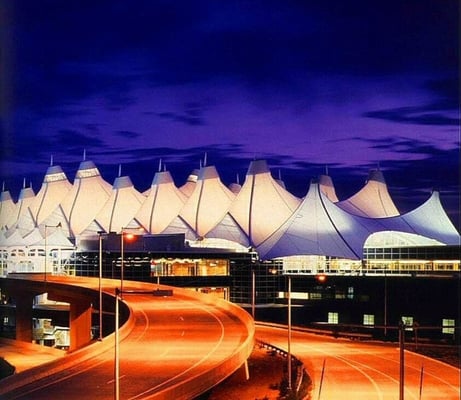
x=86, y=198
x=121, y=206
x=314, y=230
x=209, y=202
x=327, y=187
x=229, y=229
x=178, y=225
x=189, y=186
x=55, y=187
x=163, y=204
x=25, y=200
x=373, y=200
x=262, y=205
x=429, y=220
x=7, y=208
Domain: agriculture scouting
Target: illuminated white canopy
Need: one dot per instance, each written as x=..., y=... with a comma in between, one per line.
x=188, y=188
x=327, y=187
x=7, y=208
x=86, y=198
x=262, y=205
x=373, y=200
x=208, y=203
x=119, y=209
x=263, y=215
x=315, y=229
x=55, y=187
x=162, y=205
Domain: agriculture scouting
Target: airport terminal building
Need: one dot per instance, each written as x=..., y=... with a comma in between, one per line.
x=239, y=242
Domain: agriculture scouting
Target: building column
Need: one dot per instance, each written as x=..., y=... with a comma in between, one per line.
x=80, y=323
x=24, y=307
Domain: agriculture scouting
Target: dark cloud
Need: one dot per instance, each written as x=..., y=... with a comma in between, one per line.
x=127, y=134
x=413, y=115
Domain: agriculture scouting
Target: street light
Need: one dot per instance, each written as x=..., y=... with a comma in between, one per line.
x=402, y=359
x=289, y=333
x=129, y=236
x=46, y=251
x=117, y=348
x=100, y=233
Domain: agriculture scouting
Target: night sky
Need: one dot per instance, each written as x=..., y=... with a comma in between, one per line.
x=303, y=84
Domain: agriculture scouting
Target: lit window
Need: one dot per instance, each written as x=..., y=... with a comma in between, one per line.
x=332, y=317
x=447, y=326
x=408, y=321
x=368, y=319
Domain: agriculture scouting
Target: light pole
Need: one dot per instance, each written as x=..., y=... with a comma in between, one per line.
x=402, y=359
x=100, y=233
x=253, y=291
x=117, y=348
x=130, y=236
x=289, y=333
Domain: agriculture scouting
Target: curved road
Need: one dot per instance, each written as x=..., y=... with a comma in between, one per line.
x=172, y=342
x=363, y=370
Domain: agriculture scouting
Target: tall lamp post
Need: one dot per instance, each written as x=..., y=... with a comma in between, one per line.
x=289, y=333
x=100, y=233
x=129, y=236
x=117, y=348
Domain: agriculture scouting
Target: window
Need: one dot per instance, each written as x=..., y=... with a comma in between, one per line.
x=447, y=324
x=408, y=321
x=368, y=319
x=333, y=318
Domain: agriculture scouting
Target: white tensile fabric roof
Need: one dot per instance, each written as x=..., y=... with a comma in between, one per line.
x=327, y=187
x=208, y=203
x=312, y=229
x=262, y=205
x=25, y=200
x=320, y=227
x=54, y=188
x=163, y=204
x=7, y=208
x=86, y=198
x=189, y=186
x=373, y=200
x=119, y=209
x=263, y=215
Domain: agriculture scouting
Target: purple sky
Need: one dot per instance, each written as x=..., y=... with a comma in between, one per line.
x=303, y=84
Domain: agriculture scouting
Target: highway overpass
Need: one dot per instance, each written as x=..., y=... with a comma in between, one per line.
x=174, y=346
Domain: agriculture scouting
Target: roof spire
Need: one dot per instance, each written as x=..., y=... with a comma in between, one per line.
x=238, y=179
x=51, y=160
x=200, y=164
x=119, y=170
x=160, y=165
x=3, y=186
x=204, y=159
x=280, y=175
x=24, y=183
x=84, y=154
x=326, y=169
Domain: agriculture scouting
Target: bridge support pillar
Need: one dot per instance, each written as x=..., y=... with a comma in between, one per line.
x=80, y=323
x=24, y=306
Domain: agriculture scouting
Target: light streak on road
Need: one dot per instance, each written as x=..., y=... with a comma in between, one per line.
x=366, y=371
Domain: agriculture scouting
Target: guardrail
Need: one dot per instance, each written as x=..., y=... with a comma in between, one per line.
x=297, y=365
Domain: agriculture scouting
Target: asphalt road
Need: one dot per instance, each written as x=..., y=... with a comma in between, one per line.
x=173, y=340
x=364, y=370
